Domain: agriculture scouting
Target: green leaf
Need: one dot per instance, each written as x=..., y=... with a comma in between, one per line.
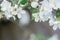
x=33, y=10
x=0, y=9
x=58, y=13
x=23, y=2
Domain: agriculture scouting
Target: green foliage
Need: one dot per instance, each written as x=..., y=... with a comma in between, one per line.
x=33, y=10
x=58, y=13
x=23, y=2
x=0, y=9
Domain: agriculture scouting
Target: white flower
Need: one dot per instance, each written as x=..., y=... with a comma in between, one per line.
x=22, y=11
x=36, y=16
x=25, y=18
x=14, y=18
x=54, y=3
x=7, y=15
x=45, y=14
x=34, y=4
x=14, y=13
x=45, y=11
x=51, y=22
x=16, y=6
x=36, y=19
x=54, y=23
x=55, y=27
x=46, y=5
x=19, y=15
x=5, y=5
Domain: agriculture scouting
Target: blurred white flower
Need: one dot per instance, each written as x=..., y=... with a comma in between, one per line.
x=36, y=16
x=36, y=19
x=5, y=5
x=7, y=15
x=54, y=3
x=25, y=19
x=51, y=3
x=55, y=27
x=16, y=6
x=22, y=11
x=46, y=5
x=45, y=14
x=14, y=13
x=45, y=11
x=51, y=22
x=14, y=17
x=34, y=4
x=54, y=23
x=19, y=15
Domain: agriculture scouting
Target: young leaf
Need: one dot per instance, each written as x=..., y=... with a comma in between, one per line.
x=0, y=9
x=33, y=10
x=23, y=2
x=58, y=13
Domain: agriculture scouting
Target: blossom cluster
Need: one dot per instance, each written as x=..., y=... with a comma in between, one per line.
x=49, y=10
x=45, y=10
x=11, y=9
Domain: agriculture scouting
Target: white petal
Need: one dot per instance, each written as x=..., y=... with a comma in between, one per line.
x=51, y=22
x=14, y=13
x=55, y=27
x=36, y=19
x=5, y=5
x=34, y=4
x=7, y=15
x=19, y=15
x=25, y=19
x=14, y=18
x=23, y=12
